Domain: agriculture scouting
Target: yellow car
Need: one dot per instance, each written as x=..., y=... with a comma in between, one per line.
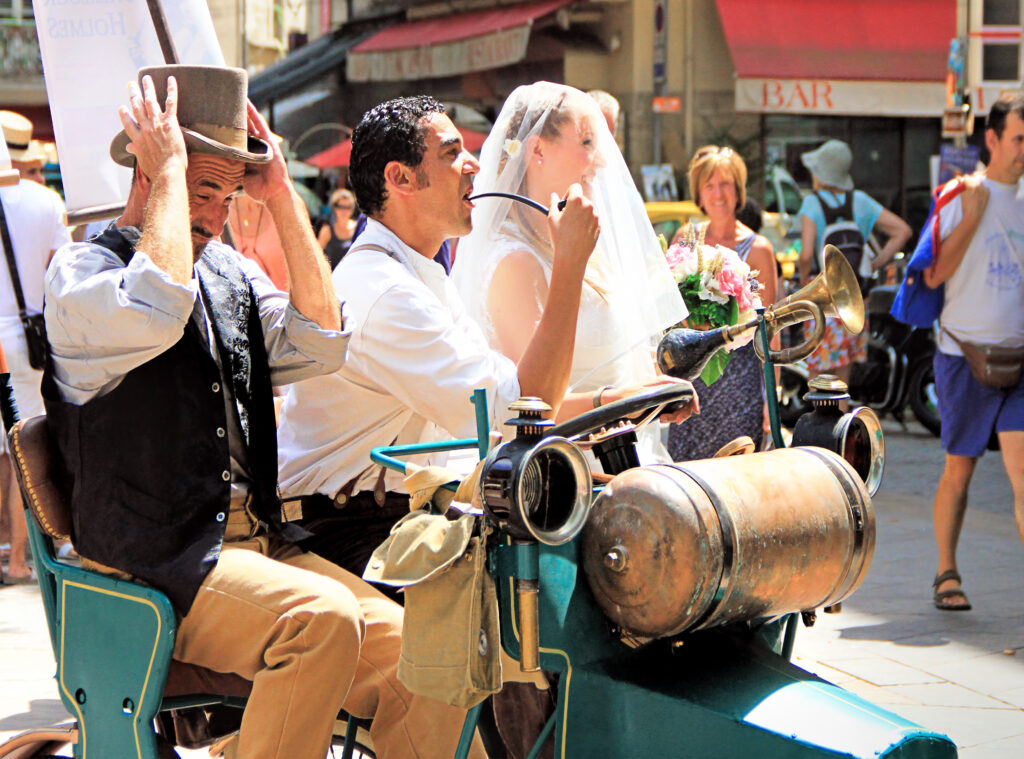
x=668, y=216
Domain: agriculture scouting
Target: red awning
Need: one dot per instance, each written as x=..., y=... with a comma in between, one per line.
x=340, y=154
x=448, y=45
x=457, y=26
x=840, y=39
x=334, y=157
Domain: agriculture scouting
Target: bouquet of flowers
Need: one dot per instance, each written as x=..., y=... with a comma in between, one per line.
x=719, y=289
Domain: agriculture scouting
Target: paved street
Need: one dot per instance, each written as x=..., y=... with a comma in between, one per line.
x=961, y=673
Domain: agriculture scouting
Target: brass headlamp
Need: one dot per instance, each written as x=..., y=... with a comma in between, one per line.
x=856, y=436
x=536, y=487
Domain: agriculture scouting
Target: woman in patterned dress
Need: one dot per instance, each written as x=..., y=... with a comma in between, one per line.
x=734, y=404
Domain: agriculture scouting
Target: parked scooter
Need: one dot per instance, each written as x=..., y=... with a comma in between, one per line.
x=898, y=371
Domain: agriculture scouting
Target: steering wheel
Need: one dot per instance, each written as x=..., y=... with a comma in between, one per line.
x=655, y=401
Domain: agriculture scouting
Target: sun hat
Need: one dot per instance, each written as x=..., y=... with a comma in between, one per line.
x=33, y=153
x=211, y=112
x=8, y=175
x=831, y=164
x=18, y=136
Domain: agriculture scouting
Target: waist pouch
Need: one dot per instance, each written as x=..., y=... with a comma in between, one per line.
x=992, y=365
x=450, y=638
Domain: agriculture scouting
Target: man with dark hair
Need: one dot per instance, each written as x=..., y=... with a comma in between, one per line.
x=981, y=265
x=165, y=345
x=404, y=141
x=416, y=357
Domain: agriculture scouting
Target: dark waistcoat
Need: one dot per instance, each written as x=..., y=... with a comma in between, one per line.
x=148, y=465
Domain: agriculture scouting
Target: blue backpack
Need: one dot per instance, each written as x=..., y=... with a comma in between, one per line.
x=916, y=303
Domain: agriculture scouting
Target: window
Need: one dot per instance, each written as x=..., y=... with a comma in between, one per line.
x=15, y=10
x=1000, y=12
x=1000, y=63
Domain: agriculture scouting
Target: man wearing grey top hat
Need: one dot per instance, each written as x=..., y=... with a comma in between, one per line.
x=165, y=346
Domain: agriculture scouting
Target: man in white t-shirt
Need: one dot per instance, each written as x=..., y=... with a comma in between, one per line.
x=981, y=264
x=35, y=223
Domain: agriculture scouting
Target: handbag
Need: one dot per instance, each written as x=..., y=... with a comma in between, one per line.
x=33, y=324
x=451, y=643
x=916, y=303
x=992, y=365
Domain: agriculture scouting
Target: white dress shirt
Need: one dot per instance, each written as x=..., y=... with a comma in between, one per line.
x=104, y=319
x=414, y=359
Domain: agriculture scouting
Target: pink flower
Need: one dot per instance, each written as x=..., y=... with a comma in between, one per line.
x=681, y=260
x=731, y=282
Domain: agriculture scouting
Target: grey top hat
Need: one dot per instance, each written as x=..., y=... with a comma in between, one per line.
x=211, y=112
x=831, y=164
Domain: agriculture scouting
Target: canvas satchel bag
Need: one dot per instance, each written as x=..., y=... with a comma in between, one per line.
x=992, y=365
x=450, y=638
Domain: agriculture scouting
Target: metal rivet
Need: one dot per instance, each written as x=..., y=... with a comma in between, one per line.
x=225, y=475
x=215, y=387
x=221, y=432
x=220, y=517
x=616, y=559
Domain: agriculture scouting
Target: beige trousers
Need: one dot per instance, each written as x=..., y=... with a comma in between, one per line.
x=313, y=638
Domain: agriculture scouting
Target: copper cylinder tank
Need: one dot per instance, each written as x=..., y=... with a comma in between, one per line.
x=703, y=543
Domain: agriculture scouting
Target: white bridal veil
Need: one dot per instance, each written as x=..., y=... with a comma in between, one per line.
x=628, y=267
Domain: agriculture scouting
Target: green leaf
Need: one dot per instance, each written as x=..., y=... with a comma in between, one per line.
x=715, y=367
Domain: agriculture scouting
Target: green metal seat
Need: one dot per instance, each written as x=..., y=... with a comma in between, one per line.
x=112, y=639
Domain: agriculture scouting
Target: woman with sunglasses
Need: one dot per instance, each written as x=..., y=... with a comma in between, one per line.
x=335, y=236
x=734, y=404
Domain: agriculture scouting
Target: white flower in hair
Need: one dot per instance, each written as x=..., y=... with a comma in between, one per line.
x=512, y=147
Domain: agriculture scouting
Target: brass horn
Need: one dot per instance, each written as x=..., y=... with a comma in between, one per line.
x=834, y=293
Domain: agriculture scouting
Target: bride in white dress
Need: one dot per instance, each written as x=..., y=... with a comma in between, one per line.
x=547, y=137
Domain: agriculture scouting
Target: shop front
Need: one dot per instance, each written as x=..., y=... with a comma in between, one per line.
x=870, y=73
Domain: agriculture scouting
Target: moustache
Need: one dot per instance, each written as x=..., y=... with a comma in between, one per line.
x=201, y=231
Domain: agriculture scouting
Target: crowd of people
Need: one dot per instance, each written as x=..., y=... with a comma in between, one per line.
x=220, y=408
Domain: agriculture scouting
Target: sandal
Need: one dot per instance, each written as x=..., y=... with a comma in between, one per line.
x=940, y=596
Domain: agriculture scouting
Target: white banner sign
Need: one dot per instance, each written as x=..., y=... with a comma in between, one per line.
x=839, y=97
x=489, y=51
x=91, y=51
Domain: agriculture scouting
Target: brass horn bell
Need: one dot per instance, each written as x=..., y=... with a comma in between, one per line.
x=835, y=293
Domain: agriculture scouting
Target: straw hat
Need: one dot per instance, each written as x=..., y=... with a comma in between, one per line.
x=13, y=126
x=35, y=152
x=211, y=112
x=8, y=176
x=831, y=164
x=18, y=136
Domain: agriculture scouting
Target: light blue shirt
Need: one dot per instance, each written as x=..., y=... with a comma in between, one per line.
x=104, y=319
x=866, y=211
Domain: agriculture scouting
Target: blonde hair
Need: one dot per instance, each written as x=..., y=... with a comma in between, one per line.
x=340, y=193
x=711, y=158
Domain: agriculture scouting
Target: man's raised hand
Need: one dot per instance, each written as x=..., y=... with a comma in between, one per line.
x=265, y=180
x=156, y=139
x=975, y=196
